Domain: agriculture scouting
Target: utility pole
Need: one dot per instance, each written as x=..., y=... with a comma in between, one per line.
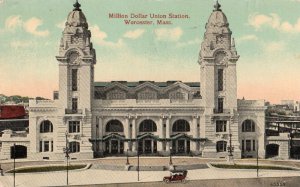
x=138, y=165
x=67, y=151
x=14, y=165
x=257, y=159
x=127, y=161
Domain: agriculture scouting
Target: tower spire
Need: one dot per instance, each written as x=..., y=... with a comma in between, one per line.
x=77, y=6
x=217, y=6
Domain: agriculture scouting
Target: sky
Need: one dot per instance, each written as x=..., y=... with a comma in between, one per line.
x=267, y=35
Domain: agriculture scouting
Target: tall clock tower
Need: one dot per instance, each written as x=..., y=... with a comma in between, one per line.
x=217, y=59
x=76, y=59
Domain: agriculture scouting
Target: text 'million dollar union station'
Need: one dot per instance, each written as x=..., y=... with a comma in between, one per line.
x=150, y=118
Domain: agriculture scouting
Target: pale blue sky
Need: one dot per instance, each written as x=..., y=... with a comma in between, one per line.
x=267, y=34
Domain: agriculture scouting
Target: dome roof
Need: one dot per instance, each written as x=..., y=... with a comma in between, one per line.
x=76, y=18
x=217, y=22
x=217, y=18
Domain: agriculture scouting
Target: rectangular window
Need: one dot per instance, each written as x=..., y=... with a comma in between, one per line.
x=51, y=146
x=248, y=145
x=74, y=104
x=46, y=146
x=220, y=80
x=220, y=105
x=74, y=126
x=253, y=145
x=41, y=146
x=221, y=126
x=243, y=145
x=74, y=79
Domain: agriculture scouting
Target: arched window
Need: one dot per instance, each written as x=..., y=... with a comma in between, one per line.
x=114, y=126
x=221, y=146
x=46, y=126
x=148, y=126
x=74, y=147
x=181, y=126
x=248, y=126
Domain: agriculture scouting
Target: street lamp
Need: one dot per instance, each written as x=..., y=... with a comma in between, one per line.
x=292, y=133
x=138, y=156
x=67, y=151
x=127, y=161
x=14, y=164
x=170, y=162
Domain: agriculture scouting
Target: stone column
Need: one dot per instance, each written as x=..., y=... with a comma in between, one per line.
x=193, y=144
x=161, y=135
x=134, y=146
x=43, y=145
x=169, y=143
x=100, y=134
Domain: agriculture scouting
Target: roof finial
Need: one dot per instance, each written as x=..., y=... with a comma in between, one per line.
x=77, y=6
x=217, y=6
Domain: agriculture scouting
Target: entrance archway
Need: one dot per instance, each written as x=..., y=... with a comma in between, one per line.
x=19, y=152
x=272, y=150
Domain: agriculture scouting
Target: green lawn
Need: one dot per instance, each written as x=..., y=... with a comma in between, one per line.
x=239, y=166
x=47, y=168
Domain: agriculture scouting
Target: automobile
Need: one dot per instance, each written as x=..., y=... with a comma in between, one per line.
x=176, y=176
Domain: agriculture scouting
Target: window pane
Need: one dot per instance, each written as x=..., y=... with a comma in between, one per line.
x=248, y=145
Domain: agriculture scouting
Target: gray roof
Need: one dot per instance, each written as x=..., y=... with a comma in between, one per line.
x=135, y=84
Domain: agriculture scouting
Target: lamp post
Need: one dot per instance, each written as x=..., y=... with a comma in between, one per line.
x=138, y=165
x=230, y=150
x=14, y=164
x=257, y=159
x=292, y=132
x=127, y=160
x=170, y=161
x=67, y=151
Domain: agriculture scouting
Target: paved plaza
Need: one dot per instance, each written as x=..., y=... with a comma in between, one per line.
x=100, y=176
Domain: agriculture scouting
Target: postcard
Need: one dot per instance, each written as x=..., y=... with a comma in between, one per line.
x=149, y=92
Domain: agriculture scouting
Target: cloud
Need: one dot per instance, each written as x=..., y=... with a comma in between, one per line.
x=20, y=44
x=250, y=37
x=32, y=25
x=12, y=22
x=196, y=41
x=61, y=24
x=274, y=47
x=134, y=34
x=100, y=36
x=274, y=21
x=165, y=34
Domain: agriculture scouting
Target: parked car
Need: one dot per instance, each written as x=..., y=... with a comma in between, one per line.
x=176, y=176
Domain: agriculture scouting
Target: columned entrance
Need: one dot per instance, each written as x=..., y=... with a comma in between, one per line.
x=180, y=144
x=114, y=144
x=147, y=144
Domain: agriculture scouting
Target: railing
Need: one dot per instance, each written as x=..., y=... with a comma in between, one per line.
x=71, y=111
x=221, y=111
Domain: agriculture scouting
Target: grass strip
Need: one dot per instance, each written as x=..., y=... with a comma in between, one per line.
x=47, y=168
x=239, y=166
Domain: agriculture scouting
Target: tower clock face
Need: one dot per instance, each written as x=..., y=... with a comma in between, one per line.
x=73, y=58
x=220, y=57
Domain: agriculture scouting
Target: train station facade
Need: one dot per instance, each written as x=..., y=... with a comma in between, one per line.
x=145, y=117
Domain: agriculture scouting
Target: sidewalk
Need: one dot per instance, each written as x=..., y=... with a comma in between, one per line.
x=96, y=176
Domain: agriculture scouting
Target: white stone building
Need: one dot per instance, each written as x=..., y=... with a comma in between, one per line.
x=152, y=118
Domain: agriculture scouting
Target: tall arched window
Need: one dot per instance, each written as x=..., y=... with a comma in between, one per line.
x=74, y=147
x=114, y=126
x=221, y=146
x=248, y=126
x=148, y=126
x=46, y=126
x=181, y=126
